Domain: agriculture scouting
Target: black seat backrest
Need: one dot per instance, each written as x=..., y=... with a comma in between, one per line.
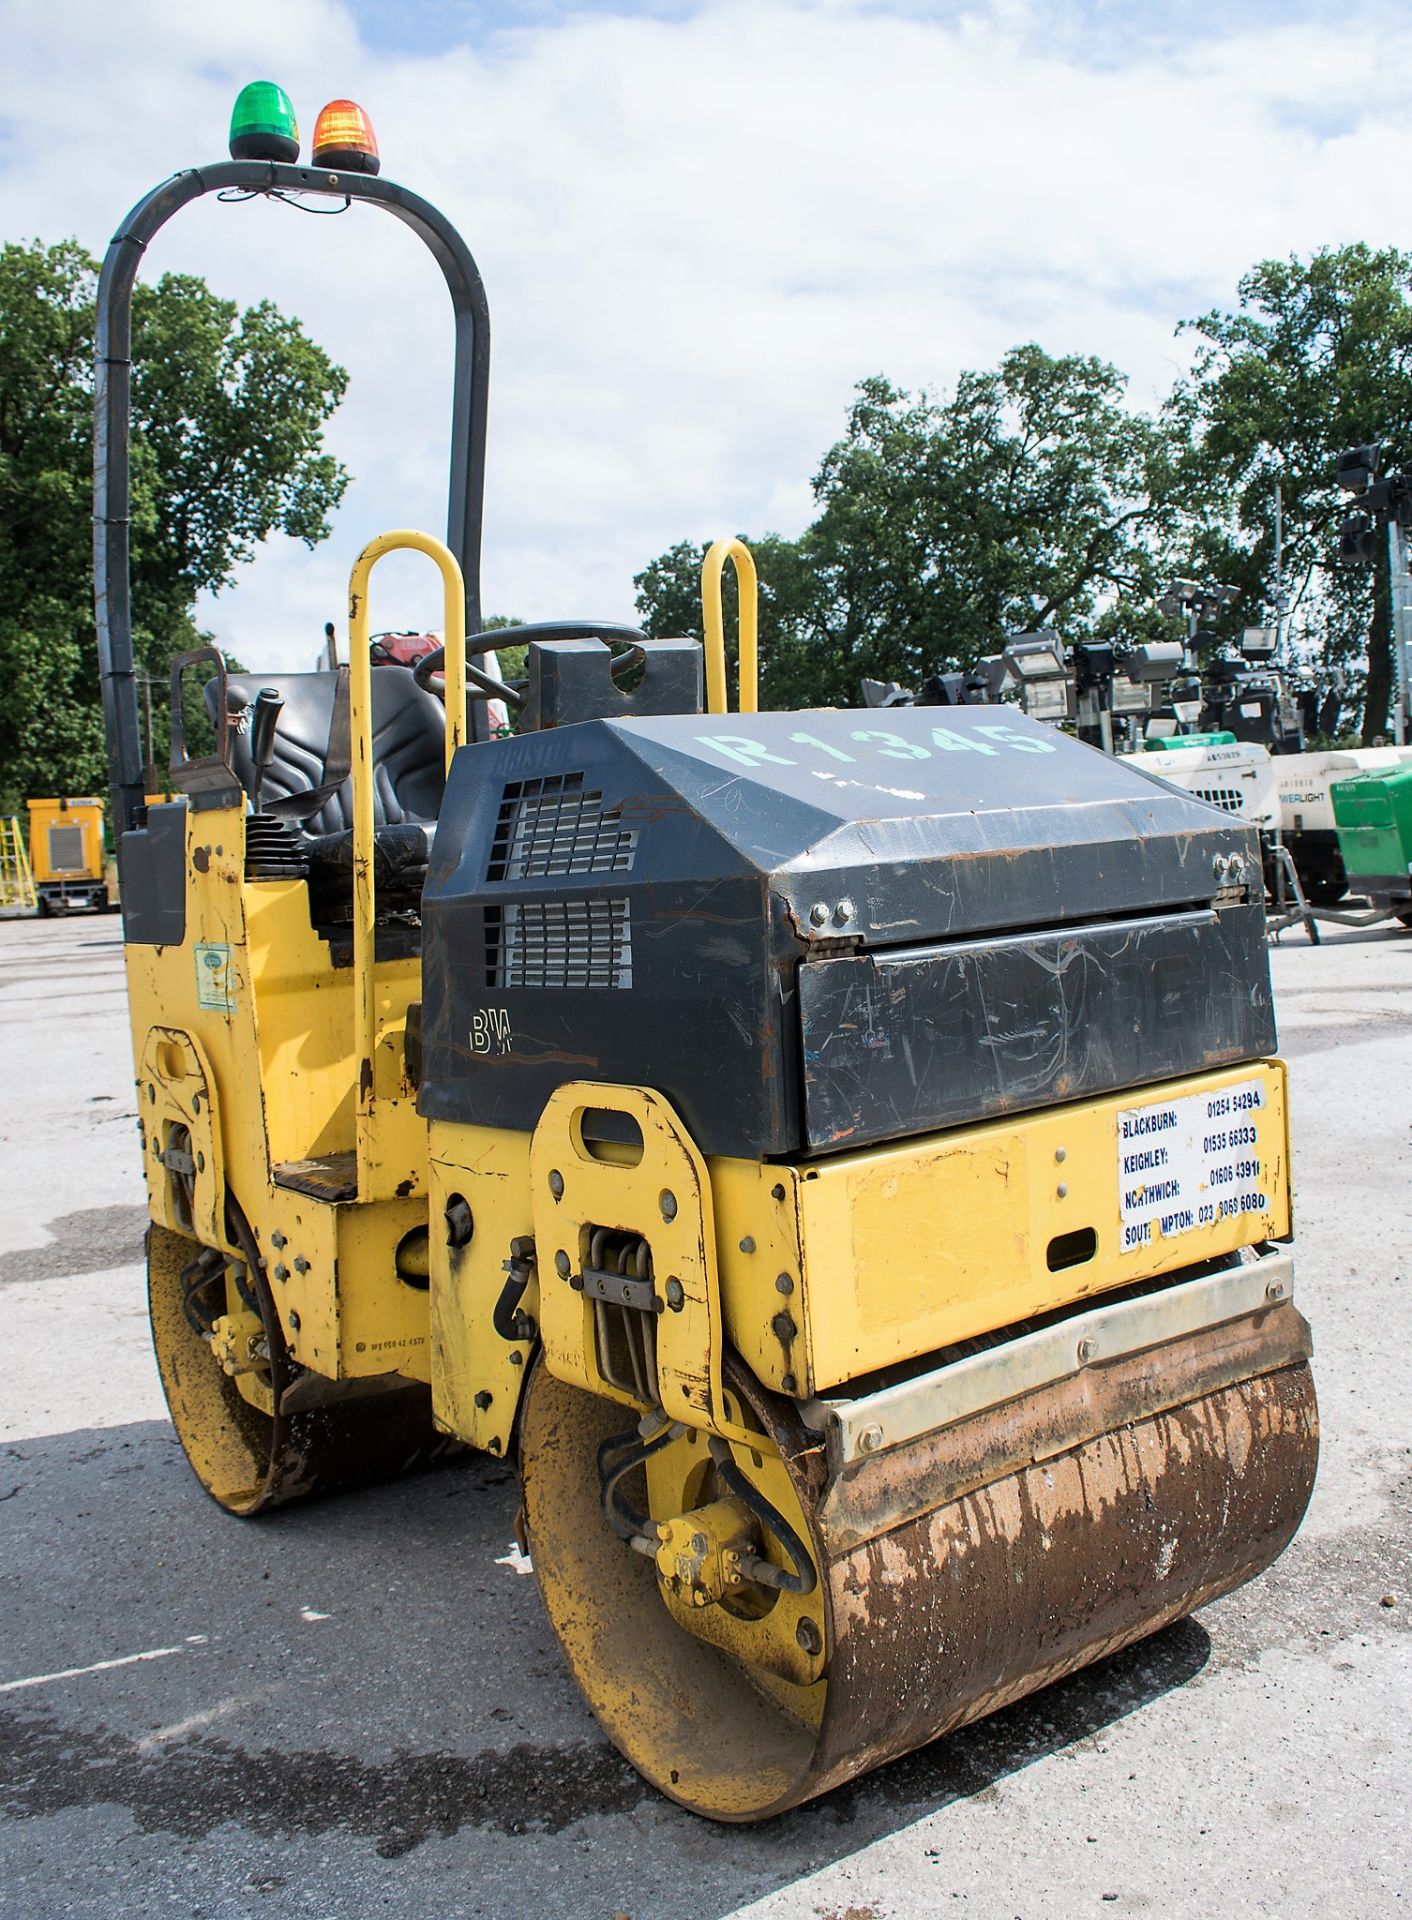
x=409, y=745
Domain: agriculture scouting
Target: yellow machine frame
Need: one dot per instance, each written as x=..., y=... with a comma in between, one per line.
x=283, y=1081
x=282, y=1078
x=897, y=1294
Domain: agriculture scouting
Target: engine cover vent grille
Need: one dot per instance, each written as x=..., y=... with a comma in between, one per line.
x=551, y=826
x=559, y=943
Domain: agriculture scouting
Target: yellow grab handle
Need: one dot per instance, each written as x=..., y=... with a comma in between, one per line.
x=713, y=615
x=453, y=622
x=360, y=726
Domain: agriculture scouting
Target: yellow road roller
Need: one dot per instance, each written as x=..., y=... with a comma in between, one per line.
x=838, y=1157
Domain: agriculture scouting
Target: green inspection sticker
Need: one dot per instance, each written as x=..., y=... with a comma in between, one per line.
x=215, y=983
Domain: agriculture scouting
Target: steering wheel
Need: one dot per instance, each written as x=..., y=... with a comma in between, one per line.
x=484, y=686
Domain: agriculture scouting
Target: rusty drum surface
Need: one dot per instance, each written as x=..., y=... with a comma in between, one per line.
x=958, y=1572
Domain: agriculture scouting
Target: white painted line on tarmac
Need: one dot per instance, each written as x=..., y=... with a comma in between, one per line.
x=77, y=1673
x=515, y=1558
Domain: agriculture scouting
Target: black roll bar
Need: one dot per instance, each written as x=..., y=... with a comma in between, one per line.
x=112, y=402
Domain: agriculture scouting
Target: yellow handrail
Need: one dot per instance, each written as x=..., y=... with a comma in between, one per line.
x=360, y=724
x=713, y=615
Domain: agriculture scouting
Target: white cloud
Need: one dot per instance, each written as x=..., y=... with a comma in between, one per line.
x=698, y=232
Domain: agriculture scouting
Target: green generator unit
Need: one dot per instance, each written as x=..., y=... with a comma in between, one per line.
x=1373, y=816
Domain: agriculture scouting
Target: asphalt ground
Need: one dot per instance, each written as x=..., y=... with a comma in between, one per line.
x=356, y=1708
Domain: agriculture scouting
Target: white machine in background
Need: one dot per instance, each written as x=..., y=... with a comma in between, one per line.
x=1237, y=776
x=1307, y=811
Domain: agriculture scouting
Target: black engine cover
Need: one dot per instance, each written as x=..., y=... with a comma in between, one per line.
x=810, y=931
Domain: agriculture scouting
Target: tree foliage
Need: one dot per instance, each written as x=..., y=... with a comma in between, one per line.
x=1315, y=358
x=792, y=638
x=1034, y=494
x=228, y=410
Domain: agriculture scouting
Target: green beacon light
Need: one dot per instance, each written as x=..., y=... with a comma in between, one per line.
x=262, y=124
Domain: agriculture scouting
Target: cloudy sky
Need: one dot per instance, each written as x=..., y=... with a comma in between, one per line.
x=699, y=224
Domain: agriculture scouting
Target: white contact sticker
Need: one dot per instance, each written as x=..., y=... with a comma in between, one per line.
x=1185, y=1164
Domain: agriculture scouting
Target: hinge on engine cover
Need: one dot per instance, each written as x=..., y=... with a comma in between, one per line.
x=1229, y=870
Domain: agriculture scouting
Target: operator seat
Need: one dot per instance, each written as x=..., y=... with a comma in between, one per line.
x=409, y=745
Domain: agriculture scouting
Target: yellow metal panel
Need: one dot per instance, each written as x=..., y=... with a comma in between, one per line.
x=384, y=1323
x=829, y=1270
x=902, y=1250
x=305, y=1012
x=174, y=1091
x=300, y=1241
x=305, y=1024
x=202, y=988
x=332, y=1272
x=271, y=1021
x=476, y=1376
x=759, y=1261
x=665, y=1197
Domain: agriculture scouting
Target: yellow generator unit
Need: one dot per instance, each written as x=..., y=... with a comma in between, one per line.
x=66, y=855
x=843, y=1165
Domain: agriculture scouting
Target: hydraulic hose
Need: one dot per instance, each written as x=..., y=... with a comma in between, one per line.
x=765, y=1573
x=637, y=1529
x=208, y=1267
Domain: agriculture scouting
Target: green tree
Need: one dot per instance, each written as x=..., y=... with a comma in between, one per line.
x=792, y=640
x=1315, y=357
x=1030, y=496
x=228, y=410
x=511, y=657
